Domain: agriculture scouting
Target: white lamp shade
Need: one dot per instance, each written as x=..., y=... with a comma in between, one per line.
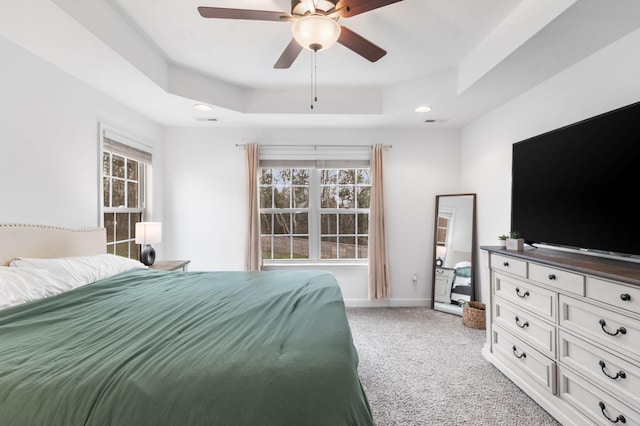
x=316, y=32
x=148, y=232
x=441, y=252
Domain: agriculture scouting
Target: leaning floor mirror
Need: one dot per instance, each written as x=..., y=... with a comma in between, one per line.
x=453, y=252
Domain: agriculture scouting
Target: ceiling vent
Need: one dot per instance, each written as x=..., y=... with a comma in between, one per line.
x=206, y=119
x=433, y=120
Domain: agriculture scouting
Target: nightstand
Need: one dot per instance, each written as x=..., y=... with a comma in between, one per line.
x=170, y=265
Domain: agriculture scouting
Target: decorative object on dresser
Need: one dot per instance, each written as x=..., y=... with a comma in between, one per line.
x=453, y=252
x=565, y=327
x=171, y=265
x=514, y=241
x=148, y=233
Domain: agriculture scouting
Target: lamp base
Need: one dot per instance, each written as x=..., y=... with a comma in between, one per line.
x=148, y=255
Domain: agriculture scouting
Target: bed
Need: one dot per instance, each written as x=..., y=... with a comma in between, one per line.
x=145, y=347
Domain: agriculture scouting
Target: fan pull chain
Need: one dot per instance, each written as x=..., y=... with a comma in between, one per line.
x=314, y=73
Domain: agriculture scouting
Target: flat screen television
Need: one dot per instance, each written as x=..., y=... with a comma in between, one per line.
x=578, y=186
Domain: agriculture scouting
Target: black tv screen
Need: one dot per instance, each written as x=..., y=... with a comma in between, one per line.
x=578, y=186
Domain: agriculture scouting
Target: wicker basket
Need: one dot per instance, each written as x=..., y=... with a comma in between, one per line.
x=474, y=315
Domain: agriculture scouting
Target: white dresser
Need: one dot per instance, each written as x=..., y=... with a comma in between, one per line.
x=565, y=328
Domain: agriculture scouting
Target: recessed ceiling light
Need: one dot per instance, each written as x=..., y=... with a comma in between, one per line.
x=422, y=108
x=202, y=107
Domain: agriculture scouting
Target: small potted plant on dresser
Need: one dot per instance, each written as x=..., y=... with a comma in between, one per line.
x=502, y=240
x=515, y=241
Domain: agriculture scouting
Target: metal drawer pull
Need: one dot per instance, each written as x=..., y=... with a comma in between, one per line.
x=552, y=276
x=625, y=297
x=505, y=264
x=621, y=330
x=620, y=418
x=522, y=355
x=621, y=374
x=526, y=324
x=525, y=294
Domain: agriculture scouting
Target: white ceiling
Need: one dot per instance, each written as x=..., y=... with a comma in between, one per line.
x=461, y=57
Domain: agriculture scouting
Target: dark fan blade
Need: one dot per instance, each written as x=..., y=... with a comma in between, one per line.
x=289, y=55
x=349, y=8
x=360, y=45
x=255, y=15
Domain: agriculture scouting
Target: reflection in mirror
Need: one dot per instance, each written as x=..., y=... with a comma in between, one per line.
x=453, y=250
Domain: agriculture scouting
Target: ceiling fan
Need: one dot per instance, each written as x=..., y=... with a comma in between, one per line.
x=314, y=26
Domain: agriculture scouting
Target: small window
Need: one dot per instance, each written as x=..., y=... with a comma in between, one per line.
x=124, y=195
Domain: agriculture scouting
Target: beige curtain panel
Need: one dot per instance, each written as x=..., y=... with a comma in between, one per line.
x=378, y=264
x=254, y=252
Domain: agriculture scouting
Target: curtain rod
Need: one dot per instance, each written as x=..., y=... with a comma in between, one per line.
x=315, y=146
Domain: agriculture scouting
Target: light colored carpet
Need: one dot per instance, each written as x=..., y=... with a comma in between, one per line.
x=424, y=367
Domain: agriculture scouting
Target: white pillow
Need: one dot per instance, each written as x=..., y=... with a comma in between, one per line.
x=81, y=270
x=20, y=285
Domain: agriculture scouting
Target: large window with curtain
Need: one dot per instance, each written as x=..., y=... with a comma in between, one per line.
x=315, y=208
x=125, y=188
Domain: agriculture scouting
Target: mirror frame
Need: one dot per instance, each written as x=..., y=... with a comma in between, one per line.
x=454, y=309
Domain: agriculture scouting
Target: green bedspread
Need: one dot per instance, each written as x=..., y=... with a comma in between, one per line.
x=183, y=348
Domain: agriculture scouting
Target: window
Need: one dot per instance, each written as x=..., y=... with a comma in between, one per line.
x=314, y=213
x=124, y=190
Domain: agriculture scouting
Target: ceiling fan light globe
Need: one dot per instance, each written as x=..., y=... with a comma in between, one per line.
x=315, y=30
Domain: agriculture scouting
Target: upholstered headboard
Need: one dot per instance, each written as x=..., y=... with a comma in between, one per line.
x=42, y=241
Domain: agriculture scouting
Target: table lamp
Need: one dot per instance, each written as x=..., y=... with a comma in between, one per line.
x=148, y=233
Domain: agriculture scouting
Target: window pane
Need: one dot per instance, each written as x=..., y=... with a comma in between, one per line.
x=265, y=197
x=106, y=193
x=122, y=227
x=300, y=177
x=132, y=170
x=346, y=177
x=328, y=177
x=282, y=177
x=132, y=200
x=364, y=177
x=265, y=223
x=282, y=223
x=328, y=224
x=265, y=243
x=328, y=198
x=300, y=197
x=347, y=198
x=266, y=177
x=300, y=247
x=329, y=248
x=301, y=223
x=105, y=163
x=117, y=166
x=122, y=249
x=282, y=247
x=347, y=247
x=109, y=225
x=363, y=247
x=347, y=223
x=117, y=197
x=364, y=197
x=134, y=250
x=363, y=223
x=282, y=197
x=111, y=248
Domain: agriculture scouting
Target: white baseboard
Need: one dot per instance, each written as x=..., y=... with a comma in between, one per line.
x=387, y=303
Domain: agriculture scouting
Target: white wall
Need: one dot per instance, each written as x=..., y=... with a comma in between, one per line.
x=605, y=81
x=49, y=142
x=205, y=198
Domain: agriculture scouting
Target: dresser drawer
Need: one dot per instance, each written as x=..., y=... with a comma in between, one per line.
x=530, y=328
x=509, y=264
x=600, y=406
x=618, y=295
x=557, y=278
x=539, y=368
x=601, y=326
x=526, y=295
x=621, y=377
